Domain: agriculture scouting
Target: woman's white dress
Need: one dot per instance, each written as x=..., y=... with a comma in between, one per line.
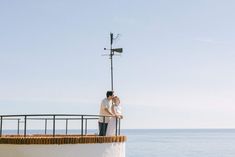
x=111, y=129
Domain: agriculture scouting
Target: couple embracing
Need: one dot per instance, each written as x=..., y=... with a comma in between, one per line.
x=110, y=106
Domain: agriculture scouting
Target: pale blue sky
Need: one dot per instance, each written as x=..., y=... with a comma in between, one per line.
x=177, y=69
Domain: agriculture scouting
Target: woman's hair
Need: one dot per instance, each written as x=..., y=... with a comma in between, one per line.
x=116, y=100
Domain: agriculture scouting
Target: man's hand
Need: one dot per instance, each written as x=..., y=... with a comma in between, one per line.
x=119, y=116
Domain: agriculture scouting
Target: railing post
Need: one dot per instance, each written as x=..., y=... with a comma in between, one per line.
x=116, y=126
x=82, y=126
x=53, y=125
x=18, y=126
x=103, y=126
x=119, y=127
x=45, y=126
x=86, y=126
x=66, y=131
x=103, y=119
x=1, y=127
x=25, y=125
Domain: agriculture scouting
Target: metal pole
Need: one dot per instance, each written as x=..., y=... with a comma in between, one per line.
x=66, y=131
x=103, y=127
x=45, y=126
x=116, y=126
x=18, y=126
x=25, y=125
x=1, y=127
x=119, y=127
x=54, y=126
x=111, y=57
x=86, y=126
x=82, y=126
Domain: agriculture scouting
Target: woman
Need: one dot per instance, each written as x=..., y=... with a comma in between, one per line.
x=117, y=111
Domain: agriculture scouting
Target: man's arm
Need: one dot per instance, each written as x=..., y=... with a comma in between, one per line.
x=108, y=112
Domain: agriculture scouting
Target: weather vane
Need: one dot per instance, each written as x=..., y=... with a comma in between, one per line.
x=111, y=54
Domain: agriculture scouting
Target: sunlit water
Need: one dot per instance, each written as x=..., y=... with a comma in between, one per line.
x=180, y=143
x=172, y=142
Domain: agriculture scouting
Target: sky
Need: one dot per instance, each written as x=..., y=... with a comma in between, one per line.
x=176, y=70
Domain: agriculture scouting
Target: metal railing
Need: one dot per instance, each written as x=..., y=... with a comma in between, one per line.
x=83, y=119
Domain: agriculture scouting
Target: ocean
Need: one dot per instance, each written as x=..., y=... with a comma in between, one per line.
x=174, y=142
x=180, y=143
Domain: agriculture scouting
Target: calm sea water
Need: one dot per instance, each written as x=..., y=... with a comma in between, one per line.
x=175, y=142
x=180, y=143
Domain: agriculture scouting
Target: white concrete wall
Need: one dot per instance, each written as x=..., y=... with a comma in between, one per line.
x=66, y=150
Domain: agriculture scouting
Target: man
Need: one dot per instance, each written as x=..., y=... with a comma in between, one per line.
x=105, y=110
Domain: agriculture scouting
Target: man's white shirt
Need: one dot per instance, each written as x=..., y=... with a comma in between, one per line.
x=105, y=104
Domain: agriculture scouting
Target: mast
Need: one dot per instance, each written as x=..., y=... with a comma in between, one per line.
x=111, y=59
x=111, y=54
